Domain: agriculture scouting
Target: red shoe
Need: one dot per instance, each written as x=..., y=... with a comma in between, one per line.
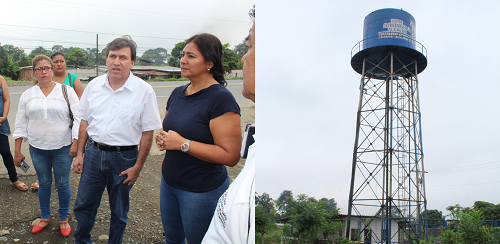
x=37, y=228
x=65, y=231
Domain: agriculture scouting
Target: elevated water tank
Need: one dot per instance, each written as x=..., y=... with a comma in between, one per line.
x=388, y=31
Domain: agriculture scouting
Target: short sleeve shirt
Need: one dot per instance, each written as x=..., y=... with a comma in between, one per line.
x=119, y=117
x=73, y=78
x=190, y=115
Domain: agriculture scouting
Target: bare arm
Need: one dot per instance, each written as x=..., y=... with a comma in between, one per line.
x=78, y=87
x=82, y=139
x=159, y=137
x=144, y=147
x=18, y=156
x=226, y=132
x=6, y=99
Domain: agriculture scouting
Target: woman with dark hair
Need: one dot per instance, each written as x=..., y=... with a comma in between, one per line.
x=63, y=77
x=201, y=135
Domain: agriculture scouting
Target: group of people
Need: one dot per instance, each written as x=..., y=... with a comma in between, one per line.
x=108, y=128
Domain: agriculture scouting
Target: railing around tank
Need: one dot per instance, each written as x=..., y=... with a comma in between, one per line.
x=413, y=44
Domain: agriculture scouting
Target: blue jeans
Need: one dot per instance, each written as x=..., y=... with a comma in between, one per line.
x=60, y=162
x=187, y=215
x=8, y=160
x=101, y=169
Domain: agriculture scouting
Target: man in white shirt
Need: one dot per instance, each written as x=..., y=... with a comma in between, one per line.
x=119, y=111
x=234, y=217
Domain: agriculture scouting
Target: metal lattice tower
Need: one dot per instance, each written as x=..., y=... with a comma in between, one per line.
x=387, y=181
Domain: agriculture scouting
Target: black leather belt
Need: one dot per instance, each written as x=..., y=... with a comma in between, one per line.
x=105, y=147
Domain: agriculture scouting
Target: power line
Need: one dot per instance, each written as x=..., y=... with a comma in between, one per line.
x=473, y=167
x=89, y=32
x=117, y=9
x=484, y=183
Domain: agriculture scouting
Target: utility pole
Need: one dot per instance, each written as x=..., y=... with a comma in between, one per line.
x=97, y=55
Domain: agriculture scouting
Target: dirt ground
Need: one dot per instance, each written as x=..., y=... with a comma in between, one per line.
x=19, y=209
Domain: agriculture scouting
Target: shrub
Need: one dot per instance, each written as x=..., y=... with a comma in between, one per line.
x=449, y=237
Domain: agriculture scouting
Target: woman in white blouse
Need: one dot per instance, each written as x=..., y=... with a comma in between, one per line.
x=43, y=119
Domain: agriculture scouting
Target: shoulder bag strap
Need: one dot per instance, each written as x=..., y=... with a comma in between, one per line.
x=70, y=81
x=65, y=94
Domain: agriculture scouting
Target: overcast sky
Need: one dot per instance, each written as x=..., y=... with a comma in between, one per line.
x=307, y=97
x=151, y=23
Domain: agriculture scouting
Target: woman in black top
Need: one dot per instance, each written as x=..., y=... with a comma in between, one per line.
x=201, y=134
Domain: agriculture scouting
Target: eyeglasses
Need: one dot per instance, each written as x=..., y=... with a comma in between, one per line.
x=41, y=69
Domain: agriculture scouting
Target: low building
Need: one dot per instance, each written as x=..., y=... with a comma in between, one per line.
x=235, y=73
x=89, y=73
x=85, y=74
x=152, y=72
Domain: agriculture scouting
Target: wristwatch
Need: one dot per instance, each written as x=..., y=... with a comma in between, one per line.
x=185, y=146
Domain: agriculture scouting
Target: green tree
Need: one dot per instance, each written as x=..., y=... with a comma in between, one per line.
x=10, y=67
x=241, y=49
x=455, y=210
x=332, y=226
x=60, y=48
x=103, y=56
x=470, y=227
x=331, y=229
x=91, y=54
x=449, y=237
x=175, y=57
x=331, y=205
x=490, y=211
x=264, y=221
x=157, y=56
x=265, y=201
x=3, y=57
x=17, y=53
x=285, y=196
x=285, y=199
x=40, y=50
x=435, y=218
x=77, y=57
x=306, y=215
x=230, y=60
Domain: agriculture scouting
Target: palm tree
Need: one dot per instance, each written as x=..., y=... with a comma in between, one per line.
x=10, y=67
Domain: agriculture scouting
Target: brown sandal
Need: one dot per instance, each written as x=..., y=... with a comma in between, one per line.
x=20, y=186
x=35, y=186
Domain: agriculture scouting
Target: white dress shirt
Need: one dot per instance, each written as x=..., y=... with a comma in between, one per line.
x=234, y=217
x=118, y=118
x=44, y=120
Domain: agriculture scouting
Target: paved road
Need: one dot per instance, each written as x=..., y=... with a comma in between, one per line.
x=162, y=90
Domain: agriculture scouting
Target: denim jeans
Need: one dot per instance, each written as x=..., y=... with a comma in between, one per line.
x=59, y=161
x=187, y=215
x=8, y=160
x=101, y=169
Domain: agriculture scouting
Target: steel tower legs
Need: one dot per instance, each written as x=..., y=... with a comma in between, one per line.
x=387, y=192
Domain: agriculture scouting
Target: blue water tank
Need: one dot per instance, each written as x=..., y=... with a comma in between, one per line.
x=389, y=27
x=389, y=31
